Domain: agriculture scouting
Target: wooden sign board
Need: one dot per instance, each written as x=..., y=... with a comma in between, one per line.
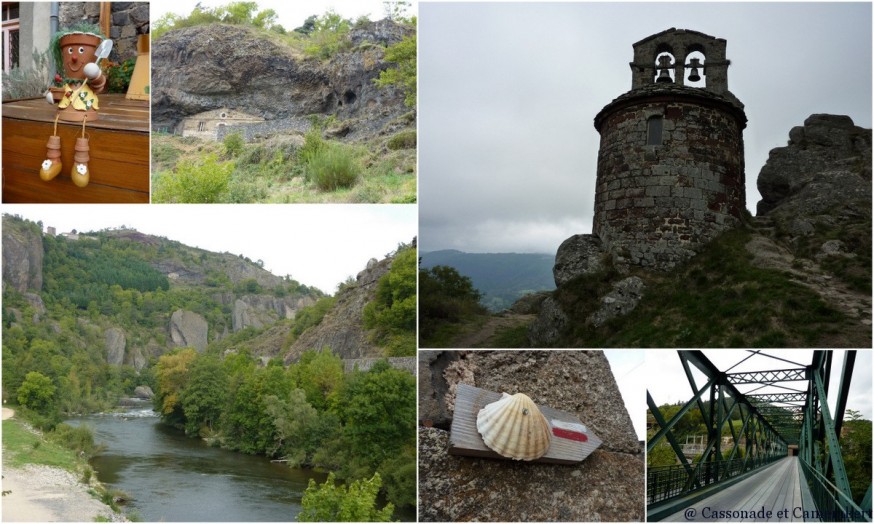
x=571, y=442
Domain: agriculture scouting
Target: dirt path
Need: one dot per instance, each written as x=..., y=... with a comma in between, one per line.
x=767, y=253
x=482, y=337
x=36, y=493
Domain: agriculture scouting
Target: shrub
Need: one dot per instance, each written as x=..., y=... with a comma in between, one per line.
x=402, y=140
x=234, y=145
x=27, y=83
x=328, y=36
x=333, y=168
x=194, y=182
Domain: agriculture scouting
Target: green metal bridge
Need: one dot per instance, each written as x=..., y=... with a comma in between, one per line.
x=772, y=452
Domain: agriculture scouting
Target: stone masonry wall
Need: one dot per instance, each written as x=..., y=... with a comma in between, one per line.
x=656, y=205
x=252, y=131
x=129, y=19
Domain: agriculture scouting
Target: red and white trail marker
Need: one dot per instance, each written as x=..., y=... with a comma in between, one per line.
x=571, y=441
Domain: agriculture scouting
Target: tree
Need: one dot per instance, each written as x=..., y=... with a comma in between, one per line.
x=403, y=55
x=300, y=428
x=37, y=392
x=203, y=399
x=172, y=377
x=319, y=374
x=392, y=313
x=378, y=409
x=332, y=503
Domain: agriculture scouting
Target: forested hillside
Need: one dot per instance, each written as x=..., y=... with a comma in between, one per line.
x=90, y=317
x=501, y=278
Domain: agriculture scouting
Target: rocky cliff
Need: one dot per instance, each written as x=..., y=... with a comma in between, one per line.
x=607, y=486
x=219, y=293
x=22, y=255
x=208, y=67
x=342, y=328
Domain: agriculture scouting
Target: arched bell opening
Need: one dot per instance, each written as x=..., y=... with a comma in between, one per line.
x=664, y=67
x=694, y=70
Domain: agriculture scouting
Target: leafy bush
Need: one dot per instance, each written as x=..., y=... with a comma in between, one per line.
x=446, y=297
x=332, y=503
x=27, y=83
x=402, y=140
x=403, y=54
x=392, y=313
x=234, y=144
x=329, y=36
x=79, y=439
x=194, y=182
x=37, y=392
x=333, y=168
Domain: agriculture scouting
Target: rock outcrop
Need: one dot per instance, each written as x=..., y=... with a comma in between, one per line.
x=22, y=255
x=188, y=329
x=607, y=486
x=342, y=327
x=260, y=310
x=115, y=346
x=825, y=168
x=206, y=67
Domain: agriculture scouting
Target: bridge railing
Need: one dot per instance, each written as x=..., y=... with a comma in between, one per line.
x=832, y=504
x=667, y=482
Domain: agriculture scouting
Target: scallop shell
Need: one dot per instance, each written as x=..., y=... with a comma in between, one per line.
x=514, y=427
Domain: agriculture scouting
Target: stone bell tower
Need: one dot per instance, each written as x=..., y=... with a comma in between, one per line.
x=671, y=160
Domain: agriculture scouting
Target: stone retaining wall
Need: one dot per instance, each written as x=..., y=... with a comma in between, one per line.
x=364, y=364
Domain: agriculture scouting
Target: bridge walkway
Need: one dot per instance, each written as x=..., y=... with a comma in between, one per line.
x=778, y=489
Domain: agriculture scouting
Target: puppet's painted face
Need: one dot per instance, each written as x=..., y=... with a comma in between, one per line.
x=77, y=52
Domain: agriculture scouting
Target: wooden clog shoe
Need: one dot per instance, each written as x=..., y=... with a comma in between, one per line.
x=80, y=173
x=51, y=166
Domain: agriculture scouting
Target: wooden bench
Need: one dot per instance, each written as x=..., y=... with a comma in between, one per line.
x=119, y=162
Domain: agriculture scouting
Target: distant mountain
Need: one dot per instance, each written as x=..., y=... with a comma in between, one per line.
x=502, y=278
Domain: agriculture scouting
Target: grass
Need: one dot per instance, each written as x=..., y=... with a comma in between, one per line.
x=288, y=168
x=514, y=337
x=21, y=447
x=719, y=299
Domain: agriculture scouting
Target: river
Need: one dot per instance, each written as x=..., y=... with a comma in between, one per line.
x=171, y=477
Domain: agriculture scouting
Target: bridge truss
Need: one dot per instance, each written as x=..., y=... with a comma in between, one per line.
x=780, y=412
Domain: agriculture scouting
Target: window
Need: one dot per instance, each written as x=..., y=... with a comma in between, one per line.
x=654, y=131
x=201, y=126
x=10, y=35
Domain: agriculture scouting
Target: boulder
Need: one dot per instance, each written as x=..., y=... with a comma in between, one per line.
x=826, y=165
x=144, y=392
x=115, y=346
x=550, y=324
x=624, y=297
x=530, y=304
x=188, y=329
x=576, y=256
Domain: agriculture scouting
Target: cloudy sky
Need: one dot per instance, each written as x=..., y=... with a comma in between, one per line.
x=668, y=383
x=318, y=245
x=508, y=93
x=291, y=14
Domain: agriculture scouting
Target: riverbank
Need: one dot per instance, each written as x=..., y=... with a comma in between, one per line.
x=39, y=492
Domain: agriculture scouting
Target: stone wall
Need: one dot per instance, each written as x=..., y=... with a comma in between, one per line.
x=129, y=19
x=252, y=131
x=207, y=125
x=364, y=364
x=656, y=205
